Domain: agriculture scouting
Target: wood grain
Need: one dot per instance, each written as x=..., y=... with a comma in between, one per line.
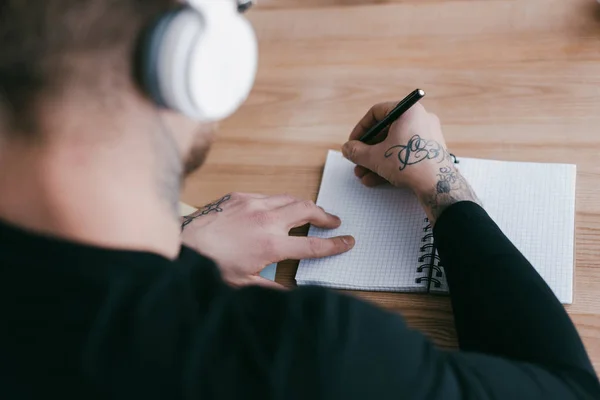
x=510, y=79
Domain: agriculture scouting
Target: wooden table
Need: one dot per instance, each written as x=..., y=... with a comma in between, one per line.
x=510, y=80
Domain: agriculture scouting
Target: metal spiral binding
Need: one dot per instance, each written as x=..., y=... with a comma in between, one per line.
x=429, y=256
x=436, y=282
x=426, y=258
x=435, y=265
x=425, y=247
x=427, y=237
x=438, y=267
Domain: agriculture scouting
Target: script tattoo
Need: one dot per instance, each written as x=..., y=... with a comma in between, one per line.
x=449, y=179
x=207, y=209
x=416, y=150
x=451, y=187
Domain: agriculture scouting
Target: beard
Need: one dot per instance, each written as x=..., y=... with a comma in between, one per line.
x=196, y=156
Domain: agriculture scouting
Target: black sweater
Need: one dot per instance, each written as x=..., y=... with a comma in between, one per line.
x=88, y=323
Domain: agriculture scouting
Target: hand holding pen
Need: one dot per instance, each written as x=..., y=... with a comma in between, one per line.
x=407, y=145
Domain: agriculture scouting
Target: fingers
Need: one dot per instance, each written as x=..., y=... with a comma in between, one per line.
x=374, y=115
x=306, y=212
x=299, y=248
x=360, y=171
x=378, y=112
x=372, y=180
x=359, y=153
x=380, y=137
x=367, y=177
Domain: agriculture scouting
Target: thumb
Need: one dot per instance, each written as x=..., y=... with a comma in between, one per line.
x=357, y=152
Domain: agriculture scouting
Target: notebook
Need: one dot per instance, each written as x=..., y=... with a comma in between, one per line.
x=533, y=204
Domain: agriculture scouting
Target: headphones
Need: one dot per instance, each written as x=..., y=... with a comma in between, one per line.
x=199, y=59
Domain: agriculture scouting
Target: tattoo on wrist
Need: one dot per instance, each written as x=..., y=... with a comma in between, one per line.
x=451, y=187
x=207, y=209
x=418, y=149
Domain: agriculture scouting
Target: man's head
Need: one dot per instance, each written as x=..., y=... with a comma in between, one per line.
x=81, y=52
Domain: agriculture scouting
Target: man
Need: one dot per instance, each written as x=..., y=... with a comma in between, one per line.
x=98, y=299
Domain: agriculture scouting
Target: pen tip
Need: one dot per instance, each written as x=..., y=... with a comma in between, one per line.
x=421, y=92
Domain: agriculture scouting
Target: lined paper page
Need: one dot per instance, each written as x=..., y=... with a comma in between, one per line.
x=534, y=205
x=387, y=224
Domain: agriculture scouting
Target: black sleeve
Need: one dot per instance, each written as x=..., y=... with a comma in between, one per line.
x=312, y=343
x=517, y=342
x=503, y=308
x=501, y=304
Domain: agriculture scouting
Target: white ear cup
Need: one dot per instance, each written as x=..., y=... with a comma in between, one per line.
x=224, y=66
x=173, y=61
x=207, y=61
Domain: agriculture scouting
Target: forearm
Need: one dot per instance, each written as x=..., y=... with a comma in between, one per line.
x=501, y=304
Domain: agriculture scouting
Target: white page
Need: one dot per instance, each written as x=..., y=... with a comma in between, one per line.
x=387, y=224
x=534, y=205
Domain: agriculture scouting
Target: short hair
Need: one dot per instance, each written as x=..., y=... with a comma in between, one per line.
x=40, y=38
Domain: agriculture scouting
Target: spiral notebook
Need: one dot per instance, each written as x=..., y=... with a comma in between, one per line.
x=533, y=204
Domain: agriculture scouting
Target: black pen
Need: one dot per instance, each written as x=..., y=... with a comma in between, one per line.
x=396, y=113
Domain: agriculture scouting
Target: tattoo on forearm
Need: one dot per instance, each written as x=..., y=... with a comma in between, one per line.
x=207, y=209
x=416, y=150
x=449, y=179
x=451, y=187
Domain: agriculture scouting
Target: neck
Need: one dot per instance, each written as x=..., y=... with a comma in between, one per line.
x=103, y=188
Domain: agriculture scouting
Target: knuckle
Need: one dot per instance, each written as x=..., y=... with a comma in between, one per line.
x=419, y=108
x=286, y=199
x=434, y=119
x=384, y=105
x=309, y=205
x=315, y=246
x=255, y=205
x=374, y=108
x=249, y=207
x=415, y=112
